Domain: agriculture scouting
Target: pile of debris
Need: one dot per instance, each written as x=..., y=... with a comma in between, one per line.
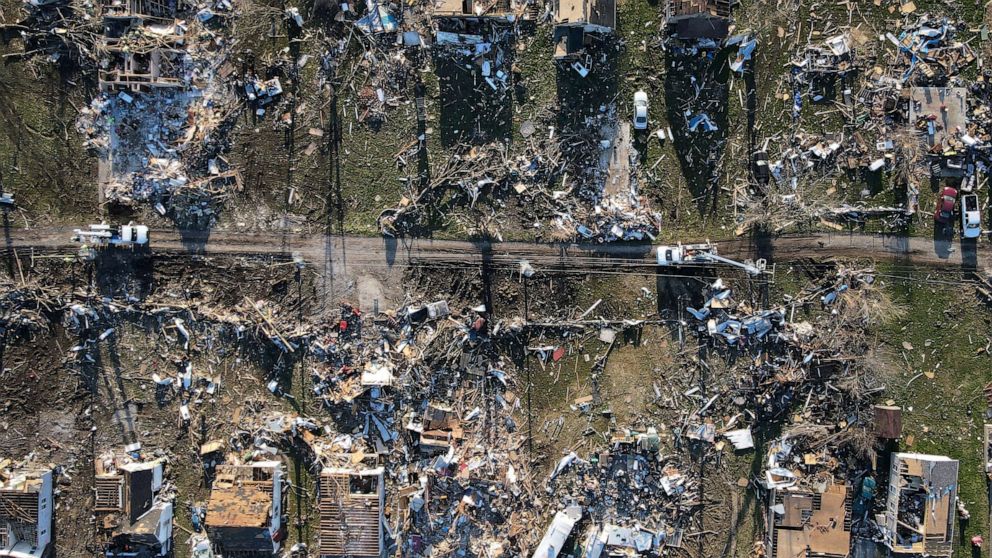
x=163, y=111
x=428, y=383
x=420, y=443
x=908, y=115
x=578, y=184
x=638, y=493
x=636, y=499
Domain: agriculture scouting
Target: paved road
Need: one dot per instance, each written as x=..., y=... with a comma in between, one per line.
x=378, y=251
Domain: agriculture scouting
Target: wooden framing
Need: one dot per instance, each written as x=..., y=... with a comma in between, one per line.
x=350, y=516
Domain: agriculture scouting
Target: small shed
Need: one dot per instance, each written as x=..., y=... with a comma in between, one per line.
x=888, y=422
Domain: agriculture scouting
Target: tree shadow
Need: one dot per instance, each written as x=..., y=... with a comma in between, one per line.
x=194, y=240
x=125, y=411
x=578, y=96
x=423, y=161
x=680, y=288
x=943, y=240
x=476, y=97
x=124, y=273
x=8, y=244
x=763, y=433
x=751, y=98
x=390, y=243
x=969, y=254
x=761, y=239
x=696, y=97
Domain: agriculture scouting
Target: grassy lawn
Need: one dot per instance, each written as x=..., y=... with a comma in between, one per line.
x=943, y=414
x=42, y=159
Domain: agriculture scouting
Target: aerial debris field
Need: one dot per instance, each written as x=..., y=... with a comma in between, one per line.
x=495, y=278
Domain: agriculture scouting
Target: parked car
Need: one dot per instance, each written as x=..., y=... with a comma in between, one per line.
x=945, y=205
x=640, y=110
x=971, y=217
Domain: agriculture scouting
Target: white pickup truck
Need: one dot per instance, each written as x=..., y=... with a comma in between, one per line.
x=112, y=235
x=971, y=216
x=695, y=254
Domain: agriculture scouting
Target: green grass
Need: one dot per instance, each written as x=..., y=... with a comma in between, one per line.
x=944, y=415
x=42, y=159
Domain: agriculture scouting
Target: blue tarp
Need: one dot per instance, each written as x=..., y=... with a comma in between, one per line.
x=745, y=50
x=702, y=119
x=378, y=20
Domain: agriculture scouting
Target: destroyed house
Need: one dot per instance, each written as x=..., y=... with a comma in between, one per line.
x=139, y=9
x=834, y=56
x=580, y=22
x=129, y=508
x=611, y=541
x=141, y=69
x=25, y=512
x=472, y=28
x=684, y=8
x=244, y=512
x=351, y=502
x=940, y=114
x=919, y=511
x=811, y=524
x=142, y=42
x=501, y=9
x=691, y=20
x=440, y=429
x=594, y=15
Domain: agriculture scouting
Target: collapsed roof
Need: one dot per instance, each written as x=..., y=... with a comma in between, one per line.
x=601, y=13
